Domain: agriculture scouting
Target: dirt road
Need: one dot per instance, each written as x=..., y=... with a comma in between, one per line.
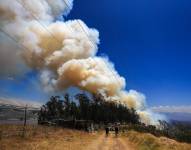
x=110, y=143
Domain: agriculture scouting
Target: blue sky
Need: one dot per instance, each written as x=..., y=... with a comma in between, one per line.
x=149, y=41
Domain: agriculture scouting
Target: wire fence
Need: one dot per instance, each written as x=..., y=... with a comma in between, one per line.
x=21, y=124
x=18, y=114
x=18, y=120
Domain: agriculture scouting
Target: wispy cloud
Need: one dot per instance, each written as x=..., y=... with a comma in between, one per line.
x=172, y=109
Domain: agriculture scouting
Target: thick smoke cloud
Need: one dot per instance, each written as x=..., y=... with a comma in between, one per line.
x=64, y=53
x=91, y=74
x=10, y=62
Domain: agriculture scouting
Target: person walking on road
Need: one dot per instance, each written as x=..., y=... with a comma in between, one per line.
x=116, y=131
x=107, y=131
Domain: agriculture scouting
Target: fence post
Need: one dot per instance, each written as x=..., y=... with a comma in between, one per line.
x=25, y=116
x=25, y=121
x=1, y=135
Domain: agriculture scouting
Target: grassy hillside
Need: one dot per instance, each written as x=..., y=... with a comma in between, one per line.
x=55, y=138
x=43, y=138
x=145, y=141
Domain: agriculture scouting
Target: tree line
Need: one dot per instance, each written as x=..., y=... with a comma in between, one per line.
x=94, y=108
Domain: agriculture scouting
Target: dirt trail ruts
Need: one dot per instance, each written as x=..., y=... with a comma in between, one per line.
x=109, y=143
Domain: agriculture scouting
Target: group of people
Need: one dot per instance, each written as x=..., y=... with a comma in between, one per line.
x=116, y=129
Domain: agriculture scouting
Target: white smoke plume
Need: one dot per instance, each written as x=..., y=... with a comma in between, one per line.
x=64, y=53
x=10, y=62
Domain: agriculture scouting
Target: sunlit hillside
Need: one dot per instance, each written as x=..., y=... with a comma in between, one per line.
x=55, y=138
x=145, y=141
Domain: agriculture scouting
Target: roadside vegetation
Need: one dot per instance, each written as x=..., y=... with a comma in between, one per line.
x=57, y=138
x=43, y=138
x=179, y=131
x=146, y=141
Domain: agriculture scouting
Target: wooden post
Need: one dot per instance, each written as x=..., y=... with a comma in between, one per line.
x=25, y=120
x=25, y=116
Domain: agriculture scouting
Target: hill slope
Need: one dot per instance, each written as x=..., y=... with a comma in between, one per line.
x=145, y=141
x=51, y=138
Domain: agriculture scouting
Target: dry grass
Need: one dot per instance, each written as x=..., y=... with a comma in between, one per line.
x=145, y=141
x=43, y=138
x=54, y=138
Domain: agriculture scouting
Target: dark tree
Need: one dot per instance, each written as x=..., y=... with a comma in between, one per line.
x=86, y=108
